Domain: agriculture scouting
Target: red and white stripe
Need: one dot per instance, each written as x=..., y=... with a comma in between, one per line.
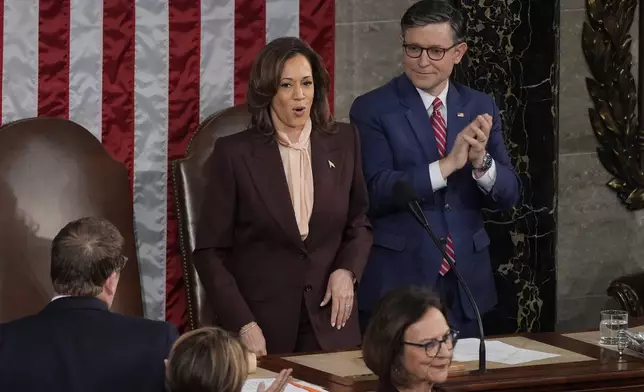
x=449, y=249
x=141, y=75
x=440, y=132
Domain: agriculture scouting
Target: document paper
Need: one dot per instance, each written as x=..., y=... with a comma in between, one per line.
x=294, y=386
x=468, y=350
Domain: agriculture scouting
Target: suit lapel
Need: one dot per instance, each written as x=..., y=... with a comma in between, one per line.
x=457, y=119
x=417, y=117
x=268, y=175
x=326, y=164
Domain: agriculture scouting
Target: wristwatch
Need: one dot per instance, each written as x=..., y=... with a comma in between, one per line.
x=487, y=164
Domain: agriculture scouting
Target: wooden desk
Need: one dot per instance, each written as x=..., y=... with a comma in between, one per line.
x=585, y=366
x=262, y=373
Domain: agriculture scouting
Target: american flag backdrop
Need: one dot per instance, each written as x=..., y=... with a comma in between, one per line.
x=141, y=75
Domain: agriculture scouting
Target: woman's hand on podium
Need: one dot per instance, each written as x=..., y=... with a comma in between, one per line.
x=253, y=338
x=340, y=291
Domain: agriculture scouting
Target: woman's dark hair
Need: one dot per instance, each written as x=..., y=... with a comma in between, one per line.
x=265, y=79
x=382, y=347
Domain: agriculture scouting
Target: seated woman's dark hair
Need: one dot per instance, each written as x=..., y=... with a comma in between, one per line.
x=207, y=359
x=382, y=346
x=265, y=78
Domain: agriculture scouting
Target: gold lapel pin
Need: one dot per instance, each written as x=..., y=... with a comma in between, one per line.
x=331, y=164
x=460, y=114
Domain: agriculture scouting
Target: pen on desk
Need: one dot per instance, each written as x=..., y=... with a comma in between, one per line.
x=309, y=389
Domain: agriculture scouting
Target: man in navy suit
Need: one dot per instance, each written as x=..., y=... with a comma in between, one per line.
x=446, y=141
x=75, y=344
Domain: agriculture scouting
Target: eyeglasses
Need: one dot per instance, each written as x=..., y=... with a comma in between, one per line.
x=435, y=53
x=433, y=346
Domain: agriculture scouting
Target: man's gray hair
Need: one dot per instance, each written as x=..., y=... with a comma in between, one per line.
x=84, y=254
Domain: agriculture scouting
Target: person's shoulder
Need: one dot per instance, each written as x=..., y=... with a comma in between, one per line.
x=343, y=129
x=140, y=325
x=233, y=146
x=385, y=90
x=20, y=325
x=343, y=134
x=20, y=332
x=237, y=140
x=378, y=98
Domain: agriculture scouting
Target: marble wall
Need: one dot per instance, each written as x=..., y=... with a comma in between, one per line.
x=598, y=239
x=514, y=58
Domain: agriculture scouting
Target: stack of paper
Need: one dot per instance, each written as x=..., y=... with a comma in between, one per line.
x=468, y=350
x=295, y=386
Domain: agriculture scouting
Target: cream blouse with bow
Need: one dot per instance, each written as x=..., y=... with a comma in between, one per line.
x=296, y=158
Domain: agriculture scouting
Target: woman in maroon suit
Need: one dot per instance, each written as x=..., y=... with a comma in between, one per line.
x=284, y=236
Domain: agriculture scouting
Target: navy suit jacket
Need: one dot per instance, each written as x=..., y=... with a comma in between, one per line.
x=398, y=143
x=75, y=344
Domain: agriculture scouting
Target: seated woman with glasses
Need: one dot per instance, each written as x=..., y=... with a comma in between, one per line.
x=408, y=343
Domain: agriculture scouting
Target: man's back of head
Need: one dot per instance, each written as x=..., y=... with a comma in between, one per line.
x=87, y=258
x=75, y=343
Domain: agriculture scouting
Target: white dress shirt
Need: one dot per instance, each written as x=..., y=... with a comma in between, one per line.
x=486, y=181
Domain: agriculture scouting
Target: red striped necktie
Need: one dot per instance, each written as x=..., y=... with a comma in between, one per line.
x=440, y=132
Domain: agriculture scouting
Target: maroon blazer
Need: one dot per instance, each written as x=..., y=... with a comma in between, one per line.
x=249, y=253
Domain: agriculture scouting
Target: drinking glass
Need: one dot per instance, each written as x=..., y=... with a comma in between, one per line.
x=610, y=325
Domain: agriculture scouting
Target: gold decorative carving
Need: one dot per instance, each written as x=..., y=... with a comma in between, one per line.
x=606, y=43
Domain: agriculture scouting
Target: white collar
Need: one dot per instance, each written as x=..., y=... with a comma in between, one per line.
x=428, y=99
x=58, y=297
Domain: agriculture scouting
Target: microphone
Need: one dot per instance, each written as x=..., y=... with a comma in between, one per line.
x=404, y=195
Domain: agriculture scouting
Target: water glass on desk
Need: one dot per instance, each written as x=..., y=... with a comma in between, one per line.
x=612, y=322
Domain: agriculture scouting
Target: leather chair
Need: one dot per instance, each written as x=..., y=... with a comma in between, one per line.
x=53, y=171
x=628, y=291
x=189, y=181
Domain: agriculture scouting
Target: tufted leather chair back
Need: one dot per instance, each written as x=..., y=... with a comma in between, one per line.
x=53, y=171
x=189, y=183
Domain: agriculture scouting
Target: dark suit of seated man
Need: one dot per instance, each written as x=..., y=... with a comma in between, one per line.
x=75, y=343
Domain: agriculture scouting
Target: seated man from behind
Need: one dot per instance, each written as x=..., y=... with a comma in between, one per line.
x=75, y=343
